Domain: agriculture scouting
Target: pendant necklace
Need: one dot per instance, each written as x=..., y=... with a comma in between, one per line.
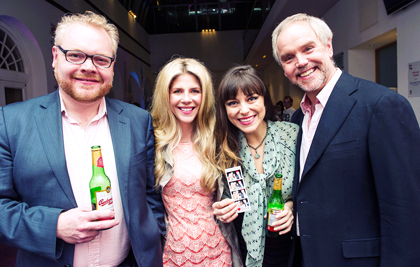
x=257, y=156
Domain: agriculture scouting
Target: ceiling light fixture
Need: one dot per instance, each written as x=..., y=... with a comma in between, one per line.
x=132, y=14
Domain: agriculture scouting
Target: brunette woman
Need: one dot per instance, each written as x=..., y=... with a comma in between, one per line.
x=247, y=135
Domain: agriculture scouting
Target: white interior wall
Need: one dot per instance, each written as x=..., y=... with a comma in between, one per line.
x=408, y=38
x=343, y=19
x=365, y=70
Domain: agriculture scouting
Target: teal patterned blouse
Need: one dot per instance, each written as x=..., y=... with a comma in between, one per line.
x=279, y=157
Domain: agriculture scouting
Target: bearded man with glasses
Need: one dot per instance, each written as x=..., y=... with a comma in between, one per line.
x=46, y=164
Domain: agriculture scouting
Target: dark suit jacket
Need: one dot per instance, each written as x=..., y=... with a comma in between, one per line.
x=358, y=201
x=35, y=187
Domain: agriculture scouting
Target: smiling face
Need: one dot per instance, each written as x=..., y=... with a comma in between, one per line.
x=185, y=98
x=84, y=83
x=305, y=60
x=246, y=112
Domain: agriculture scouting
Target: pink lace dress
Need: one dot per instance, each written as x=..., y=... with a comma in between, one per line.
x=193, y=238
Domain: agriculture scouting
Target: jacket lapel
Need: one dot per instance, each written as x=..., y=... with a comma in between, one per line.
x=48, y=121
x=298, y=120
x=338, y=107
x=119, y=127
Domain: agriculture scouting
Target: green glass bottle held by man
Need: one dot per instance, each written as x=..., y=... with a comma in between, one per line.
x=100, y=185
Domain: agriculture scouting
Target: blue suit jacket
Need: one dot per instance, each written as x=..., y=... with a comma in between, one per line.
x=358, y=201
x=35, y=186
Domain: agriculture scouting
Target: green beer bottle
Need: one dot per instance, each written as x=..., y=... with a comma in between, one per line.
x=100, y=185
x=275, y=205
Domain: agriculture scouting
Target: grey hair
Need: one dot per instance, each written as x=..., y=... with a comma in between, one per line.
x=321, y=29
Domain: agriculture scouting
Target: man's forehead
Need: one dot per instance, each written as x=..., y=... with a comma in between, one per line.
x=297, y=27
x=82, y=36
x=295, y=35
x=297, y=31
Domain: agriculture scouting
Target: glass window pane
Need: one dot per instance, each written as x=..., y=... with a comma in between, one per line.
x=12, y=66
x=13, y=95
x=9, y=42
x=5, y=52
x=10, y=59
x=2, y=35
x=227, y=17
x=160, y=20
x=16, y=53
x=187, y=18
x=172, y=19
x=213, y=13
x=20, y=66
x=171, y=16
x=202, y=17
x=241, y=15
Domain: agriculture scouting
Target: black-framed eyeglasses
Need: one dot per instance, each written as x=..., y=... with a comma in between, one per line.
x=77, y=57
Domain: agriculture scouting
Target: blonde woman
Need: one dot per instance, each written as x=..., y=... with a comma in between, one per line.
x=185, y=169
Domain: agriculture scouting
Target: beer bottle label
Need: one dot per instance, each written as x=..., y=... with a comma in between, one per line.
x=100, y=162
x=272, y=218
x=104, y=199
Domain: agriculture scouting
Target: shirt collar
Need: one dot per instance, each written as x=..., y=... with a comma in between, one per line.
x=323, y=95
x=101, y=110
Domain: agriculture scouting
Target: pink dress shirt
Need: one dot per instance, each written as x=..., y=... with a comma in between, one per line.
x=311, y=121
x=111, y=246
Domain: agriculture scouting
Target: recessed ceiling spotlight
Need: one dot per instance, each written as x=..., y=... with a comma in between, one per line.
x=132, y=14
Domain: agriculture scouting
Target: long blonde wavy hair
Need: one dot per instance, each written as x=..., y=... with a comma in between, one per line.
x=168, y=130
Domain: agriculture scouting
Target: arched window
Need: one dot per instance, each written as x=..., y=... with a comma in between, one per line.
x=10, y=58
x=13, y=78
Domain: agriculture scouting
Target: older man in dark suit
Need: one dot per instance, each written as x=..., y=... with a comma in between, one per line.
x=357, y=186
x=45, y=162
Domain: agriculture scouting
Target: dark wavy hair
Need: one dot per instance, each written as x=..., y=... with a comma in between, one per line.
x=246, y=79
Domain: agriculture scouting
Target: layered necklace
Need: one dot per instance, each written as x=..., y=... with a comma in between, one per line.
x=257, y=156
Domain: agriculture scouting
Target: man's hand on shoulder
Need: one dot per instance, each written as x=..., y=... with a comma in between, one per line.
x=80, y=225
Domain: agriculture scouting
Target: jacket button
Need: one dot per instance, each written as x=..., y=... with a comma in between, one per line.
x=67, y=265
